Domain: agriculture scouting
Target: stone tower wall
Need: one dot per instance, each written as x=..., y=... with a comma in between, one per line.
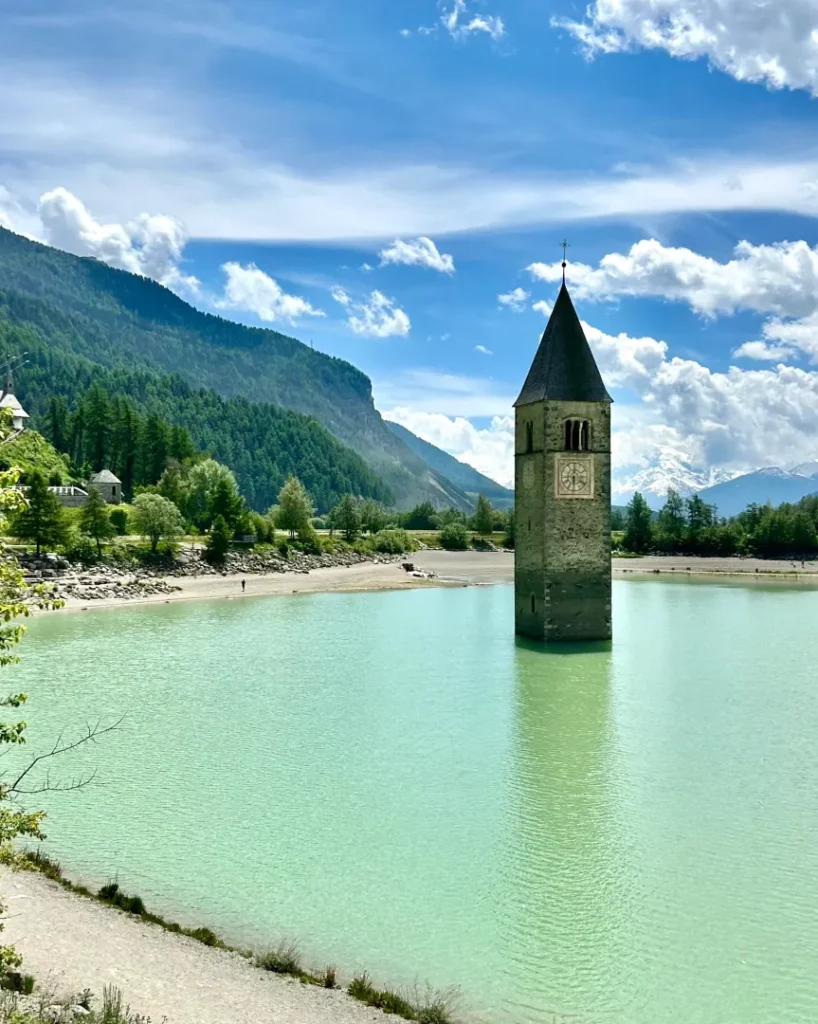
x=563, y=542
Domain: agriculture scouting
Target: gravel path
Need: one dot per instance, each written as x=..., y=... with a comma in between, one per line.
x=76, y=943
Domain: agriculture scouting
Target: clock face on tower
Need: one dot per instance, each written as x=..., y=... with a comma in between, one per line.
x=574, y=477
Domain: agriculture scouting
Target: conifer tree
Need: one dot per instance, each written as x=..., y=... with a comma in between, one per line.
x=95, y=521
x=154, y=449
x=226, y=502
x=218, y=541
x=483, y=520
x=638, y=532
x=44, y=520
x=58, y=424
x=180, y=445
x=672, y=522
x=97, y=427
x=77, y=438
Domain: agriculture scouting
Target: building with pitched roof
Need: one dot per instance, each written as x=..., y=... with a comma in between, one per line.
x=109, y=486
x=562, y=570
x=8, y=400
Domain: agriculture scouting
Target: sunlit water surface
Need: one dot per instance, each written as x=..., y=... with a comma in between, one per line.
x=620, y=835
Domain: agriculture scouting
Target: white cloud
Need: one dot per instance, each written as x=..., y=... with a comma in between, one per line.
x=483, y=350
x=774, y=42
x=762, y=351
x=149, y=154
x=459, y=23
x=417, y=252
x=514, y=300
x=781, y=279
x=782, y=336
x=543, y=307
x=427, y=390
x=488, y=449
x=150, y=244
x=716, y=422
x=249, y=289
x=375, y=317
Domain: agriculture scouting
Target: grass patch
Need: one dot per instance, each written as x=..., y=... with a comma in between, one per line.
x=282, y=959
x=110, y=894
x=112, y=1011
x=433, y=1007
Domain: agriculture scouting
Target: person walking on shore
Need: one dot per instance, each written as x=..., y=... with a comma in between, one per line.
x=243, y=585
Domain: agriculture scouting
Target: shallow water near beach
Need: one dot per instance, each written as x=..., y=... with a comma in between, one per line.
x=623, y=833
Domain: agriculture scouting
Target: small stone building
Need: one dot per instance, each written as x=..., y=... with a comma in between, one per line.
x=108, y=485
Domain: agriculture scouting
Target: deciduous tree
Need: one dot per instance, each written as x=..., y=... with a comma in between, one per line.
x=156, y=518
x=347, y=517
x=294, y=507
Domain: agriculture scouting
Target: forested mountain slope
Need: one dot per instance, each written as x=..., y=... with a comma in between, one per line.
x=122, y=321
x=260, y=442
x=466, y=477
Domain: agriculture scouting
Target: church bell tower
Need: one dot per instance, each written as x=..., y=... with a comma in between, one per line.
x=562, y=560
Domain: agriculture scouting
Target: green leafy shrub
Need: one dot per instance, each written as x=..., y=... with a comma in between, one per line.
x=119, y=520
x=392, y=542
x=308, y=541
x=83, y=550
x=454, y=537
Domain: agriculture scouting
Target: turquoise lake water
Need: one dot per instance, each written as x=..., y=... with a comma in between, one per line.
x=624, y=834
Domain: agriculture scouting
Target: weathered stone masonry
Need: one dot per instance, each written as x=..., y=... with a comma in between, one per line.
x=563, y=489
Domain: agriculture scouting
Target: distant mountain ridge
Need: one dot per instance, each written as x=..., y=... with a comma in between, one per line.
x=732, y=495
x=466, y=477
x=122, y=321
x=771, y=485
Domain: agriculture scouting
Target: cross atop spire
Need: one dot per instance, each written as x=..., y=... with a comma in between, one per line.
x=565, y=247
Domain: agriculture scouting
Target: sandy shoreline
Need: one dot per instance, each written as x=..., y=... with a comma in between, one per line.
x=70, y=943
x=452, y=568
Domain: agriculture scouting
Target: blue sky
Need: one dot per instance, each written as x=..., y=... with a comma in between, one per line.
x=376, y=176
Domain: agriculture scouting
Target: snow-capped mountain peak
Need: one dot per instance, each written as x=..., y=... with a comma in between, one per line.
x=670, y=470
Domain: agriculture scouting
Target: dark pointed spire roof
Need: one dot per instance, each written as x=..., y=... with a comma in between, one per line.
x=564, y=368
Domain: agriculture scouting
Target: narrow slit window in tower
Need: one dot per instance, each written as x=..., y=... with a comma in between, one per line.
x=529, y=436
x=533, y=605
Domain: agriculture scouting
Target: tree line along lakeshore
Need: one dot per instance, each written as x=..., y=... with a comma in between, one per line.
x=690, y=526
x=172, y=489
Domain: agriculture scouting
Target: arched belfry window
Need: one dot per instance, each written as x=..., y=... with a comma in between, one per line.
x=529, y=436
x=577, y=435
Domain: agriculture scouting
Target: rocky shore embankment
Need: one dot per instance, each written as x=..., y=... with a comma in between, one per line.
x=135, y=580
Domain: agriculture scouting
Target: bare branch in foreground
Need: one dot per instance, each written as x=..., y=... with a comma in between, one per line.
x=92, y=733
